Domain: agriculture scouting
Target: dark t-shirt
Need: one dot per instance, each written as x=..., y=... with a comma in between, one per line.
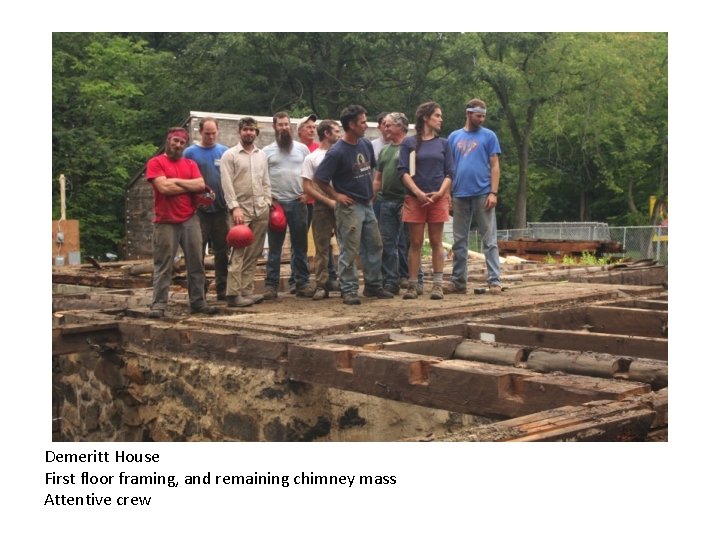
x=433, y=163
x=349, y=168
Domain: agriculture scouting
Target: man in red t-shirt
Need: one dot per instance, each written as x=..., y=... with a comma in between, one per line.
x=174, y=180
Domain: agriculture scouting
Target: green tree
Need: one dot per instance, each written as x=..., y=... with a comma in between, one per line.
x=109, y=110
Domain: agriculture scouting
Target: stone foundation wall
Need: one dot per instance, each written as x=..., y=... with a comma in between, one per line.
x=107, y=395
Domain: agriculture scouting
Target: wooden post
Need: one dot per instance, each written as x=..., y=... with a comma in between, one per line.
x=62, y=197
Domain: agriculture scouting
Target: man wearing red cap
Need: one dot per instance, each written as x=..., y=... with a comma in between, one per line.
x=246, y=187
x=174, y=180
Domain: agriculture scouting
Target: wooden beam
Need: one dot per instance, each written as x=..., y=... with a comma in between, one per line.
x=454, y=385
x=643, y=347
x=628, y=321
x=77, y=338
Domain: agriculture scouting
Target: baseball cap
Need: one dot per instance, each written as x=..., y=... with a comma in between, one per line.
x=304, y=120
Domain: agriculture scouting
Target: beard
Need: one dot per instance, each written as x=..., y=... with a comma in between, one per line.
x=284, y=141
x=248, y=139
x=174, y=154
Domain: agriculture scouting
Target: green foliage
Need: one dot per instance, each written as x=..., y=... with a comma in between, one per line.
x=581, y=117
x=586, y=259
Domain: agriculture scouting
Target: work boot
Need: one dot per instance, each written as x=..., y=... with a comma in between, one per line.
x=453, y=288
x=320, y=294
x=156, y=313
x=419, y=288
x=256, y=298
x=377, y=292
x=351, y=299
x=239, y=301
x=270, y=293
x=437, y=292
x=334, y=285
x=204, y=310
x=221, y=297
x=404, y=283
x=305, y=292
x=495, y=288
x=411, y=293
x=393, y=289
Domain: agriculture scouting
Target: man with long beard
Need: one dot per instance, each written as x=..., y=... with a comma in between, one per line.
x=285, y=159
x=174, y=180
x=246, y=186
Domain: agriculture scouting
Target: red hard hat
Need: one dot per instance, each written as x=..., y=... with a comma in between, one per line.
x=277, y=221
x=240, y=236
x=205, y=198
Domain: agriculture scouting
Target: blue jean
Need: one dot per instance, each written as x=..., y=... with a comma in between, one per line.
x=463, y=210
x=395, y=245
x=357, y=231
x=296, y=215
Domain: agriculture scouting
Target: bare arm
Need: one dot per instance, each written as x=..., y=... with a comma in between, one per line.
x=377, y=184
x=421, y=196
x=491, y=200
x=313, y=190
x=178, y=186
x=334, y=195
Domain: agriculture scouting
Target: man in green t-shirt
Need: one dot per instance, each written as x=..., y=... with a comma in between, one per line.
x=390, y=191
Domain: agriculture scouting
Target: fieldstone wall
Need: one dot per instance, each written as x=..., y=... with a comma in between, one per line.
x=107, y=395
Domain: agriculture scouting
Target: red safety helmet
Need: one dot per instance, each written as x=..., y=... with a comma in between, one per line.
x=239, y=236
x=277, y=220
x=204, y=198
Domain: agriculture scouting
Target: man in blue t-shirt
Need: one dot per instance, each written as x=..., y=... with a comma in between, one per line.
x=475, y=187
x=213, y=219
x=348, y=165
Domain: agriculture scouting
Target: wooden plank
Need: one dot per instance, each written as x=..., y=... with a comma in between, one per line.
x=627, y=420
x=639, y=346
x=638, y=303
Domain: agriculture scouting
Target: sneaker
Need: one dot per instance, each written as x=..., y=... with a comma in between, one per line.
x=204, y=310
x=305, y=292
x=334, y=286
x=411, y=293
x=437, y=292
x=495, y=288
x=370, y=292
x=156, y=313
x=452, y=288
x=239, y=301
x=270, y=293
x=351, y=299
x=320, y=294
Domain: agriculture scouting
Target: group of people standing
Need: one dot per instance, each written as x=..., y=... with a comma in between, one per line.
x=377, y=198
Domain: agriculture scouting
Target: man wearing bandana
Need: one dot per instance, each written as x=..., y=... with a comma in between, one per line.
x=174, y=180
x=475, y=193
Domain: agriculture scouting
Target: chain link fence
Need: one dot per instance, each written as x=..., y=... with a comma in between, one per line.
x=645, y=242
